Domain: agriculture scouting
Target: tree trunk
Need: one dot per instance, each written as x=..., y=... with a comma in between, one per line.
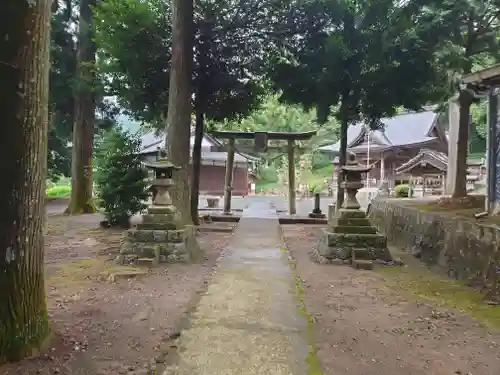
x=24, y=74
x=342, y=160
x=460, y=187
x=196, y=166
x=178, y=131
x=83, y=127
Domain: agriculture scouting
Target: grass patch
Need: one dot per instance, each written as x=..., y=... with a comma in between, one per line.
x=85, y=269
x=58, y=191
x=467, y=213
x=433, y=285
x=312, y=178
x=312, y=360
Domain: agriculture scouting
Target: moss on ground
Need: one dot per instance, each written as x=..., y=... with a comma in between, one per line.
x=85, y=269
x=462, y=212
x=433, y=285
x=312, y=357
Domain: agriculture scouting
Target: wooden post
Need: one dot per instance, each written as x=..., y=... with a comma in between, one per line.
x=228, y=181
x=291, y=177
x=382, y=168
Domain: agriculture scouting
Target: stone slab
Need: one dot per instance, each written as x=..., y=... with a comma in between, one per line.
x=249, y=320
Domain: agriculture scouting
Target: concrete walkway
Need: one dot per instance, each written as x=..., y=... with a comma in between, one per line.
x=249, y=321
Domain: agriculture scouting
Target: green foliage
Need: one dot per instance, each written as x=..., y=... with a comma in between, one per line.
x=467, y=31
x=321, y=161
x=268, y=175
x=134, y=39
x=369, y=57
x=58, y=191
x=479, y=117
x=403, y=191
x=120, y=177
x=275, y=116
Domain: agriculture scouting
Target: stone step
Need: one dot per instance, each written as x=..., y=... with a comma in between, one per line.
x=350, y=214
x=161, y=210
x=150, y=218
x=168, y=252
x=155, y=236
x=362, y=264
x=354, y=240
x=353, y=229
x=157, y=226
x=317, y=215
x=360, y=254
x=355, y=222
x=148, y=262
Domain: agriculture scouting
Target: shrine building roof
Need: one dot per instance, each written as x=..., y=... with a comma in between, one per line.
x=404, y=129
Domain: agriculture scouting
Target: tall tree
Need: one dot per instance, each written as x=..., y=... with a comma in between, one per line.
x=61, y=100
x=469, y=40
x=178, y=128
x=366, y=57
x=135, y=42
x=84, y=115
x=24, y=73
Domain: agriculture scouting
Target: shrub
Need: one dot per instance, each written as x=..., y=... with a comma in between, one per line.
x=268, y=174
x=58, y=191
x=120, y=178
x=402, y=191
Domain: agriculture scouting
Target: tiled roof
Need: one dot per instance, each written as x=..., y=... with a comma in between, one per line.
x=403, y=129
x=437, y=159
x=151, y=142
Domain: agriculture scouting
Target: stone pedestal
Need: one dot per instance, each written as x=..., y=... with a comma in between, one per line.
x=350, y=238
x=332, y=209
x=158, y=239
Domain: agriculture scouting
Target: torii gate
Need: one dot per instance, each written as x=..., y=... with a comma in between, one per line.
x=260, y=144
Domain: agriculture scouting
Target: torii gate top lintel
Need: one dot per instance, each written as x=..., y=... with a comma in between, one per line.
x=284, y=136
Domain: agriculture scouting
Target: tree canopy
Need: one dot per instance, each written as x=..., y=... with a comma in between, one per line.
x=230, y=41
x=369, y=57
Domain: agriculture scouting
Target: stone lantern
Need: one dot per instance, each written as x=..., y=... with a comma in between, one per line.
x=352, y=182
x=160, y=237
x=162, y=182
x=350, y=238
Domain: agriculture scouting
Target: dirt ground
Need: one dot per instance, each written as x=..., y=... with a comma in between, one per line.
x=391, y=321
x=105, y=326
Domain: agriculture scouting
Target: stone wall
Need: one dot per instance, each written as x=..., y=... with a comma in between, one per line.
x=467, y=250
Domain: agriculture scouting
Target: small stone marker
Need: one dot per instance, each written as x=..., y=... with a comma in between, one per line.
x=316, y=212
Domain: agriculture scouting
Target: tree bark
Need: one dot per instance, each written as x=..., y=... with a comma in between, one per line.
x=196, y=166
x=178, y=128
x=465, y=100
x=24, y=74
x=342, y=160
x=83, y=127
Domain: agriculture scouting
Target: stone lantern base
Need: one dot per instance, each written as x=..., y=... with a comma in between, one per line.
x=351, y=239
x=158, y=239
